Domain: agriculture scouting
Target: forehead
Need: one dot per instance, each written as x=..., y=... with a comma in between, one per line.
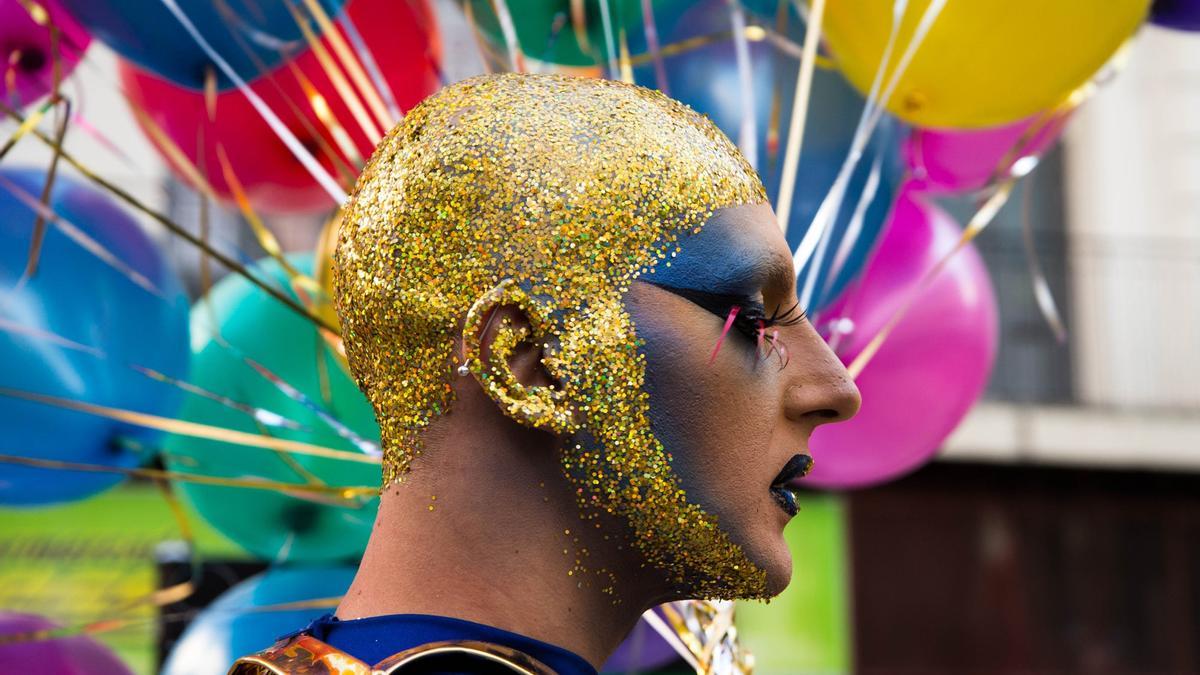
x=738, y=250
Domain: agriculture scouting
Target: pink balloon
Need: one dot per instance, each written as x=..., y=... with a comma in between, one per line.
x=26, y=53
x=75, y=655
x=949, y=161
x=933, y=366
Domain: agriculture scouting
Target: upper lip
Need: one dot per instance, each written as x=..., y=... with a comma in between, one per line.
x=797, y=467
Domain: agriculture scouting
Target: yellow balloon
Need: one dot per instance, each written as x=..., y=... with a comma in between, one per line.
x=983, y=62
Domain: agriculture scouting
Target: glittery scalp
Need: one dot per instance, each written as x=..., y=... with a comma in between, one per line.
x=569, y=189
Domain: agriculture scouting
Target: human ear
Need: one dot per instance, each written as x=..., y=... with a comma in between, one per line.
x=504, y=341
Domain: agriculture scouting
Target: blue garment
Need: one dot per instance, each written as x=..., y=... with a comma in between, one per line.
x=375, y=638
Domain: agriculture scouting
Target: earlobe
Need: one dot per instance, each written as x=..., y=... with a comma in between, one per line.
x=536, y=406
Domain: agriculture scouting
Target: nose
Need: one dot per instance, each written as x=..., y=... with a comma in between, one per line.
x=820, y=390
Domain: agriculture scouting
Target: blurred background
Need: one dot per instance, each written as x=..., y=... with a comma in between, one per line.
x=1050, y=524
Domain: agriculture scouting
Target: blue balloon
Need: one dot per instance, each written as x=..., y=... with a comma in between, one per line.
x=707, y=80
x=235, y=625
x=76, y=296
x=252, y=36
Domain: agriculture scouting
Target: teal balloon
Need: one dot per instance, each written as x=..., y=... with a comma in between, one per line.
x=274, y=524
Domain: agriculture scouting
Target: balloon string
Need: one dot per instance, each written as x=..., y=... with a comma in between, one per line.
x=289, y=139
x=79, y=237
x=63, y=113
x=175, y=228
x=318, y=104
x=381, y=88
x=260, y=415
x=748, y=129
x=352, y=494
x=609, y=44
x=509, y=31
x=653, y=48
x=485, y=53
x=365, y=123
x=197, y=176
x=791, y=157
x=351, y=63
x=982, y=217
x=1041, y=286
x=872, y=112
x=578, y=11
x=25, y=126
x=857, y=220
x=266, y=239
x=237, y=27
x=194, y=429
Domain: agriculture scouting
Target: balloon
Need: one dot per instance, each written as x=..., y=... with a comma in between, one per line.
x=272, y=524
x=75, y=655
x=707, y=80
x=983, y=63
x=255, y=35
x=235, y=625
x=932, y=368
x=806, y=629
x=1177, y=14
x=546, y=30
x=403, y=41
x=76, y=296
x=952, y=161
x=26, y=48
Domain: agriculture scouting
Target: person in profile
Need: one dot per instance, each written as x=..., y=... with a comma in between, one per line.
x=575, y=316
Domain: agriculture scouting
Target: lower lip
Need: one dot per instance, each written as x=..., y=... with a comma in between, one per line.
x=786, y=499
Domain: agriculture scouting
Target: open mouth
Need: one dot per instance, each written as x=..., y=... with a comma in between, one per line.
x=781, y=488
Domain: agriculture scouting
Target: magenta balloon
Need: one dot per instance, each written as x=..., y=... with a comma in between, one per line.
x=27, y=45
x=931, y=369
x=75, y=655
x=950, y=161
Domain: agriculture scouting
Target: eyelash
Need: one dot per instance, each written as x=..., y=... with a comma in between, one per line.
x=753, y=323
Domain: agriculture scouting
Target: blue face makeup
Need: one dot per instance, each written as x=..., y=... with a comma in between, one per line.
x=728, y=256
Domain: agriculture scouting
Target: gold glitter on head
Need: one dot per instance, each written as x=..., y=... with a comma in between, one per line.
x=556, y=193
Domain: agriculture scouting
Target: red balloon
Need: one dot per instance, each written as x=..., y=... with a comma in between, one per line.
x=403, y=40
x=933, y=366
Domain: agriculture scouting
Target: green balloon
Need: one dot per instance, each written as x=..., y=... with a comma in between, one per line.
x=545, y=30
x=273, y=524
x=807, y=628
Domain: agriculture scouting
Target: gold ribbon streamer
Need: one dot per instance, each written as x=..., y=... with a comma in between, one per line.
x=176, y=229
x=335, y=75
x=349, y=493
x=350, y=62
x=194, y=429
x=791, y=154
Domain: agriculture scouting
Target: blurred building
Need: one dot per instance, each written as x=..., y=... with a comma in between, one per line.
x=1059, y=531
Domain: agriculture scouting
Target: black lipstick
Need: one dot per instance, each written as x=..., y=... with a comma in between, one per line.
x=797, y=467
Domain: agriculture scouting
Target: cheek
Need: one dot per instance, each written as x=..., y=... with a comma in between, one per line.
x=715, y=420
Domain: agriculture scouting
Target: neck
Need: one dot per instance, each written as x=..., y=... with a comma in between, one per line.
x=478, y=531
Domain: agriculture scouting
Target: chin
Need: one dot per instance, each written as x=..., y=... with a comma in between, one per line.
x=777, y=563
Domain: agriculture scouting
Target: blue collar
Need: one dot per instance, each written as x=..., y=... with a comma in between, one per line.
x=375, y=638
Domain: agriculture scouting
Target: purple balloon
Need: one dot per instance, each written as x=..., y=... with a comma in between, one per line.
x=933, y=366
x=23, y=39
x=1177, y=14
x=642, y=650
x=75, y=655
x=952, y=161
